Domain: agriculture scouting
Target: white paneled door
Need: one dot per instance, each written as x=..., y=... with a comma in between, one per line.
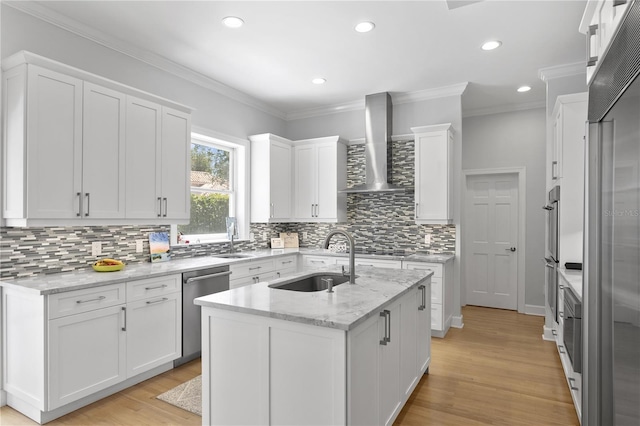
x=491, y=239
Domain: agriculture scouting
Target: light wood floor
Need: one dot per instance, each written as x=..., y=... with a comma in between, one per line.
x=496, y=370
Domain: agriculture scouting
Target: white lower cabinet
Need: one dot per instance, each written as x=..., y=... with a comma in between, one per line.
x=87, y=353
x=65, y=350
x=260, y=370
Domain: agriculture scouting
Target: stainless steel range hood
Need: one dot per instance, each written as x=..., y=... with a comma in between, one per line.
x=377, y=148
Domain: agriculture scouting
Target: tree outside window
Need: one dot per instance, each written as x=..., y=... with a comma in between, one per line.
x=211, y=193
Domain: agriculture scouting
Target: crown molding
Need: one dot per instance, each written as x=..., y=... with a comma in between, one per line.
x=397, y=99
x=43, y=13
x=474, y=112
x=559, y=71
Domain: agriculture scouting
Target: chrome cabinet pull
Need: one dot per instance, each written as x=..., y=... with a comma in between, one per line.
x=288, y=261
x=124, y=314
x=424, y=302
x=155, y=287
x=591, y=60
x=272, y=210
x=92, y=300
x=561, y=349
x=555, y=333
x=278, y=274
x=571, y=386
x=255, y=267
x=387, y=327
x=86, y=194
x=79, y=194
x=151, y=302
x=554, y=170
x=206, y=277
x=166, y=207
x=312, y=210
x=159, y=206
x=417, y=214
x=365, y=264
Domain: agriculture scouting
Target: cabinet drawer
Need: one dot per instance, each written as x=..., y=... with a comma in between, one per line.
x=285, y=272
x=319, y=260
x=421, y=266
x=89, y=299
x=376, y=263
x=251, y=268
x=286, y=262
x=253, y=279
x=436, y=317
x=149, y=287
x=436, y=290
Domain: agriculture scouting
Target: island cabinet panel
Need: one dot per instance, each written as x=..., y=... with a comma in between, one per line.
x=259, y=370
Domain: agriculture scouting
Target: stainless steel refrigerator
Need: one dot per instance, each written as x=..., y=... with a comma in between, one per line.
x=611, y=289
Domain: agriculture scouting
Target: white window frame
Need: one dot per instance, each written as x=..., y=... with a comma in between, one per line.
x=238, y=184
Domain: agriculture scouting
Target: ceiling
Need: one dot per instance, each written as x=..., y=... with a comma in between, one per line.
x=416, y=46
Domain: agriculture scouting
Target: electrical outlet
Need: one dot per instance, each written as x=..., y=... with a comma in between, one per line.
x=96, y=248
x=427, y=239
x=265, y=235
x=304, y=236
x=252, y=236
x=139, y=246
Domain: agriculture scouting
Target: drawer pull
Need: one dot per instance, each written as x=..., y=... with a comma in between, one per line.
x=288, y=261
x=155, y=287
x=255, y=267
x=365, y=264
x=150, y=302
x=317, y=261
x=92, y=300
x=561, y=349
x=555, y=333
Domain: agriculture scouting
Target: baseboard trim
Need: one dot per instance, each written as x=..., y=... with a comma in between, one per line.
x=547, y=334
x=3, y=398
x=456, y=321
x=534, y=310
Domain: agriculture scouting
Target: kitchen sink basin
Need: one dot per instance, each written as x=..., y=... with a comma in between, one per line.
x=312, y=282
x=232, y=255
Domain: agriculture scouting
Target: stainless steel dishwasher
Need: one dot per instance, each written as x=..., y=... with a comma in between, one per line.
x=196, y=284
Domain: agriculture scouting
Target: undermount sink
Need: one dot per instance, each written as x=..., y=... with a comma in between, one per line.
x=312, y=282
x=232, y=255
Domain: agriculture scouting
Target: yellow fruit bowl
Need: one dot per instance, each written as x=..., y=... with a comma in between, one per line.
x=101, y=267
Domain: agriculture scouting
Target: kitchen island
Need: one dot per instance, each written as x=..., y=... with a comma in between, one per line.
x=354, y=356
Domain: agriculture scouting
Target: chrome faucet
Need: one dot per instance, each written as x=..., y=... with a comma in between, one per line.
x=232, y=231
x=352, y=252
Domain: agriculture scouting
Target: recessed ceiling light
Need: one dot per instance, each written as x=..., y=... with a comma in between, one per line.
x=524, y=89
x=319, y=80
x=492, y=44
x=233, y=22
x=365, y=27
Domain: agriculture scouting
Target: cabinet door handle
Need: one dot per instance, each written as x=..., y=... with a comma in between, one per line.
x=561, y=349
x=417, y=214
x=92, y=300
x=555, y=333
x=317, y=210
x=159, y=206
x=424, y=298
x=151, y=302
x=571, y=386
x=591, y=60
x=311, y=210
x=155, y=287
x=166, y=206
x=272, y=210
x=124, y=314
x=554, y=170
x=86, y=194
x=278, y=274
x=387, y=327
x=79, y=194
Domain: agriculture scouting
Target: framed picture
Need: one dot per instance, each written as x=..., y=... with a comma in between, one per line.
x=159, y=246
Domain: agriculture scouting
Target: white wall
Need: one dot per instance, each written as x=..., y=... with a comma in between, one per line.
x=213, y=111
x=515, y=139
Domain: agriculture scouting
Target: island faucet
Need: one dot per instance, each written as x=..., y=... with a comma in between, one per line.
x=352, y=252
x=232, y=231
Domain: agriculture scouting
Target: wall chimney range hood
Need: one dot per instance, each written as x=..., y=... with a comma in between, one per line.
x=377, y=147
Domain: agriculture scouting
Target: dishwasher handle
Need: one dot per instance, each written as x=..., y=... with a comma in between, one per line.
x=206, y=277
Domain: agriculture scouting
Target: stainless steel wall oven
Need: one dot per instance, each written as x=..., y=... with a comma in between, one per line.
x=572, y=328
x=551, y=255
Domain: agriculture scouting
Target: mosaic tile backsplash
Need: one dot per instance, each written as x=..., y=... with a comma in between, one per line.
x=378, y=222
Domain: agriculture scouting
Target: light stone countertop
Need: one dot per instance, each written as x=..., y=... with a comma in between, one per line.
x=344, y=309
x=574, y=279
x=44, y=284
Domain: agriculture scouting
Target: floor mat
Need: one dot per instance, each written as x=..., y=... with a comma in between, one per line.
x=187, y=396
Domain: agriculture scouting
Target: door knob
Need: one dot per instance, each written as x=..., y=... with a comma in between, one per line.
x=511, y=249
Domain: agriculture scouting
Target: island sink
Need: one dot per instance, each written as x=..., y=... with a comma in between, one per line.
x=312, y=282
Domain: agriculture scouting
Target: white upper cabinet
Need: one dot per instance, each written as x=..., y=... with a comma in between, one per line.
x=271, y=175
x=320, y=171
x=82, y=150
x=103, y=153
x=600, y=21
x=175, y=165
x=433, y=174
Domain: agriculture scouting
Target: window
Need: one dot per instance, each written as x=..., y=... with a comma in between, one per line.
x=213, y=193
